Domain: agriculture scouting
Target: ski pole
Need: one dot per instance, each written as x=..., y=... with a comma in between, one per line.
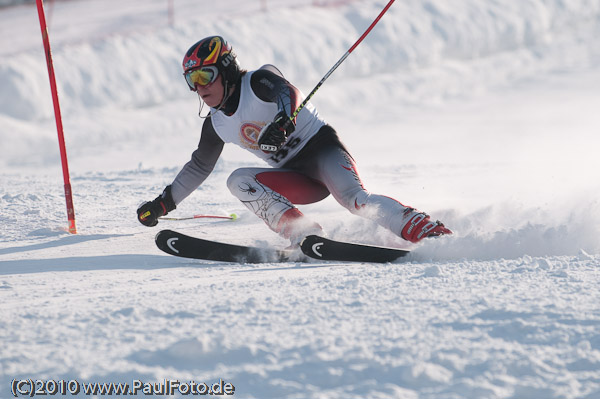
x=233, y=216
x=337, y=64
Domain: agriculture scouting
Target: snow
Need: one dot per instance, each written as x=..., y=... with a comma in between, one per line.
x=483, y=114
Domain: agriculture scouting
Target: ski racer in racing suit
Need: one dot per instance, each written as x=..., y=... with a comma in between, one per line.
x=306, y=157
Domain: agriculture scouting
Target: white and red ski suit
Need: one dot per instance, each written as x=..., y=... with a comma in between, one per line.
x=312, y=163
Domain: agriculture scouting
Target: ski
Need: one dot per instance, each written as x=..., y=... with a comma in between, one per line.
x=325, y=249
x=179, y=244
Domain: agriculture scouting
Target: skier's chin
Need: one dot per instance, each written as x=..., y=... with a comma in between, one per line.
x=210, y=101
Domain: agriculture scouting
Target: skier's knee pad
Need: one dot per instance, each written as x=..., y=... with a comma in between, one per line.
x=241, y=182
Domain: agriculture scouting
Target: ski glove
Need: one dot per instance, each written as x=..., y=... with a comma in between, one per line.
x=274, y=135
x=149, y=212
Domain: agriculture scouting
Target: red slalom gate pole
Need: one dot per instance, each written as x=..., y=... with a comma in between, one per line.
x=57, y=116
x=171, y=12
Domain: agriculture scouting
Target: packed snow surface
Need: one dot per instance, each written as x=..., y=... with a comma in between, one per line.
x=483, y=114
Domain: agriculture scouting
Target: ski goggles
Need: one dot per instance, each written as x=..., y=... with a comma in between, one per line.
x=201, y=76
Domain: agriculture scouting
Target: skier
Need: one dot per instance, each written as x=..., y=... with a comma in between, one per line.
x=308, y=161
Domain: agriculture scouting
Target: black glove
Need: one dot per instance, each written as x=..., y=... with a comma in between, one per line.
x=149, y=212
x=274, y=135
